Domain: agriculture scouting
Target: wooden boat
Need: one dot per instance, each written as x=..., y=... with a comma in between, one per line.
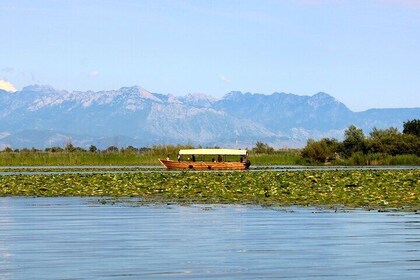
x=209, y=159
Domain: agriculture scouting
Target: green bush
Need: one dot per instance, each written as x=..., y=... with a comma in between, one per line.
x=404, y=160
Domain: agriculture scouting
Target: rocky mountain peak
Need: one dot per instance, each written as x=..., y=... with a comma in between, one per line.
x=198, y=99
x=45, y=89
x=137, y=91
x=324, y=99
x=232, y=95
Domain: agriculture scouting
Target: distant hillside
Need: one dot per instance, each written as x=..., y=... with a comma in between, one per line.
x=40, y=116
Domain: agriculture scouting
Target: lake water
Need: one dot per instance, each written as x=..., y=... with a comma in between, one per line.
x=81, y=238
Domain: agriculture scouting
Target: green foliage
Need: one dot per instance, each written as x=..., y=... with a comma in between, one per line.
x=385, y=141
x=262, y=148
x=368, y=188
x=358, y=158
x=408, y=159
x=321, y=151
x=354, y=141
x=391, y=141
x=93, y=149
x=112, y=149
x=357, y=149
x=54, y=149
x=124, y=156
x=412, y=127
x=172, y=150
x=69, y=148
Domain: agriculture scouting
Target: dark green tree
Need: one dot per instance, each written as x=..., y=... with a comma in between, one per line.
x=54, y=149
x=385, y=141
x=262, y=148
x=354, y=141
x=321, y=151
x=8, y=150
x=93, y=149
x=412, y=127
x=132, y=149
x=112, y=149
x=69, y=148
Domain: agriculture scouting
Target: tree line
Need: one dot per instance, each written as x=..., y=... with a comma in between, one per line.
x=356, y=145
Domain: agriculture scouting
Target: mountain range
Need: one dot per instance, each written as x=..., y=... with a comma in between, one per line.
x=41, y=116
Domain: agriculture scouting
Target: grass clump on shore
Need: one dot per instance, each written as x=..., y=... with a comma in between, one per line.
x=42, y=158
x=367, y=188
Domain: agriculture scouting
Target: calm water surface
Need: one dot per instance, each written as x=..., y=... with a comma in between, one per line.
x=80, y=238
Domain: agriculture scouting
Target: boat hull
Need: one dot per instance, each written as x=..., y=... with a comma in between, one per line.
x=201, y=165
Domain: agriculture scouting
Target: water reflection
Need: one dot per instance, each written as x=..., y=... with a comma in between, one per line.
x=79, y=238
x=6, y=256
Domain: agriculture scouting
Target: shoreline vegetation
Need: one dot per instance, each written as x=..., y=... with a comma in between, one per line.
x=381, y=147
x=383, y=190
x=149, y=156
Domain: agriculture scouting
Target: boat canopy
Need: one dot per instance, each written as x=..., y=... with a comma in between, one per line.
x=214, y=152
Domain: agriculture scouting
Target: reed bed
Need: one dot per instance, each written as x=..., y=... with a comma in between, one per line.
x=78, y=158
x=42, y=158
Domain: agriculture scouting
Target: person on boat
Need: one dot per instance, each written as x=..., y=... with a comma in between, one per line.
x=193, y=158
x=247, y=163
x=179, y=158
x=167, y=157
x=219, y=158
x=241, y=159
x=213, y=160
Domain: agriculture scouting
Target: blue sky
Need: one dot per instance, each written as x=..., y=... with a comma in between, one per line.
x=365, y=53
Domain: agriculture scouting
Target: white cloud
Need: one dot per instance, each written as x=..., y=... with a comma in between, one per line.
x=225, y=79
x=7, y=86
x=93, y=73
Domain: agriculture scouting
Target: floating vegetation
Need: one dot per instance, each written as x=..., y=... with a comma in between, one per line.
x=81, y=169
x=372, y=189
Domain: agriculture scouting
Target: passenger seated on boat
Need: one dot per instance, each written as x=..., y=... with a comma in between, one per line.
x=213, y=160
x=179, y=158
x=241, y=159
x=219, y=158
x=193, y=158
x=167, y=157
x=247, y=163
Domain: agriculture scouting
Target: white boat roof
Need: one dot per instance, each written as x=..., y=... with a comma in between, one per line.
x=214, y=152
